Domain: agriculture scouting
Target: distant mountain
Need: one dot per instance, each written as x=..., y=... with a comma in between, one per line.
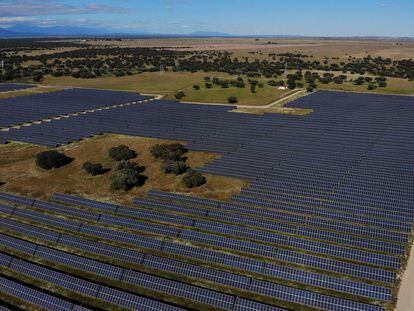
x=27, y=30
x=208, y=34
x=5, y=33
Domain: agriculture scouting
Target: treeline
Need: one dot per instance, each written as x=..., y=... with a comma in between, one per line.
x=89, y=62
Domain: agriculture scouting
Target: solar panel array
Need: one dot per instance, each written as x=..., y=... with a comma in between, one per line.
x=8, y=87
x=324, y=224
x=35, y=107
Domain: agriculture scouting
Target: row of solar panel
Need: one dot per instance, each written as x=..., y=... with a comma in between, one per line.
x=310, y=279
x=156, y=283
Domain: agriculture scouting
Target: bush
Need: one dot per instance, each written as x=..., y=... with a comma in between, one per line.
x=121, y=153
x=172, y=152
x=382, y=83
x=174, y=167
x=93, y=168
x=194, y=179
x=179, y=95
x=52, y=159
x=127, y=176
x=209, y=85
x=232, y=99
x=196, y=87
x=291, y=84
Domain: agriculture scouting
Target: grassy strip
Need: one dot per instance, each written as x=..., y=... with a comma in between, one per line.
x=19, y=303
x=203, y=283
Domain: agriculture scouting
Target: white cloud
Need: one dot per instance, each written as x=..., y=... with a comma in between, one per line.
x=17, y=8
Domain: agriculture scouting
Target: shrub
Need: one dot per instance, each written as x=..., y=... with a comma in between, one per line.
x=179, y=95
x=309, y=89
x=196, y=87
x=194, y=179
x=121, y=153
x=93, y=168
x=52, y=159
x=291, y=84
x=174, y=167
x=209, y=85
x=127, y=176
x=232, y=99
x=172, y=152
x=273, y=83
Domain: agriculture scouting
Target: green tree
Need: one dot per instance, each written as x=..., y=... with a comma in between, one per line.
x=121, y=153
x=52, y=159
x=194, y=179
x=93, y=168
x=179, y=95
x=174, y=167
x=127, y=176
x=232, y=99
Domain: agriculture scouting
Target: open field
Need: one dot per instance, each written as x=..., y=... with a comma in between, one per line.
x=242, y=46
x=169, y=83
x=20, y=174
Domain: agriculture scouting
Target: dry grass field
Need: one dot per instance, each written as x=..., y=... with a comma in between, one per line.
x=21, y=175
x=242, y=46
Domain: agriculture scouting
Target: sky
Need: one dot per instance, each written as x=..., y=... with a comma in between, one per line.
x=238, y=17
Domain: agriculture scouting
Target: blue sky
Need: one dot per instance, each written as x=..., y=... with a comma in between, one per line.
x=250, y=17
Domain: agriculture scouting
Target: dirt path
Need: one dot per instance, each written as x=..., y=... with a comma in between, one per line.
x=406, y=294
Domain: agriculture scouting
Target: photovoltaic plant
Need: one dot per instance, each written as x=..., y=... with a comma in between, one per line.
x=324, y=225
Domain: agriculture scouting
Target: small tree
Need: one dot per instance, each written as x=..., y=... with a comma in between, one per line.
x=127, y=176
x=253, y=88
x=93, y=168
x=37, y=77
x=52, y=159
x=382, y=83
x=172, y=152
x=121, y=153
x=179, y=95
x=174, y=167
x=291, y=84
x=194, y=179
x=232, y=99
x=371, y=86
